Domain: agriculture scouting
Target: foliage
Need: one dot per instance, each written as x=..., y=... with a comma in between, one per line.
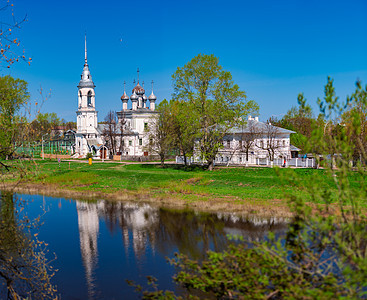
x=354, y=119
x=25, y=272
x=324, y=254
x=160, y=132
x=299, y=119
x=216, y=102
x=184, y=127
x=10, y=44
x=13, y=94
x=44, y=124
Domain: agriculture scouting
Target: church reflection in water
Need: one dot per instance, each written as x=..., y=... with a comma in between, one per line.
x=162, y=230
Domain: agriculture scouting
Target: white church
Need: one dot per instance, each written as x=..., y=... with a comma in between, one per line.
x=89, y=134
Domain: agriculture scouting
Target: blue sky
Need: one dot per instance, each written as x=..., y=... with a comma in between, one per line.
x=274, y=49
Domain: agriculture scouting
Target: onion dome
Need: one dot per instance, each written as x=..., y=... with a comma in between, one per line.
x=152, y=97
x=124, y=97
x=134, y=96
x=138, y=89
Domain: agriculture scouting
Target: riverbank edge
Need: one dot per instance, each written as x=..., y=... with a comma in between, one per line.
x=157, y=198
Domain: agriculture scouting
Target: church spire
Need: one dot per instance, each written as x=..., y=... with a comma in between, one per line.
x=85, y=49
x=86, y=77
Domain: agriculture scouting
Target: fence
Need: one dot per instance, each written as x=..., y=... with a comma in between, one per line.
x=61, y=156
x=293, y=162
x=34, y=149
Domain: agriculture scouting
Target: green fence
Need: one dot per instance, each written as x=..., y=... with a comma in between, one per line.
x=34, y=149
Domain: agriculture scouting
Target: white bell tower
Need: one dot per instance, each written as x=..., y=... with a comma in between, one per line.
x=86, y=134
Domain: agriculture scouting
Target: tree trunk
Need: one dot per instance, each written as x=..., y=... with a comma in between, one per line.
x=210, y=165
x=162, y=160
x=185, y=158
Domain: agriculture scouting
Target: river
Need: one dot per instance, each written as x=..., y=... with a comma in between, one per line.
x=98, y=245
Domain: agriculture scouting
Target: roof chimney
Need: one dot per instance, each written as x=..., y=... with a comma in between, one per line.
x=257, y=119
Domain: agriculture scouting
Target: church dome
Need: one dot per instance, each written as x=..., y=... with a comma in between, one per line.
x=124, y=97
x=134, y=96
x=152, y=97
x=138, y=89
x=86, y=78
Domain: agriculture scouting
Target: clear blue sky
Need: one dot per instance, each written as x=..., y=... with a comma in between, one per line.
x=274, y=49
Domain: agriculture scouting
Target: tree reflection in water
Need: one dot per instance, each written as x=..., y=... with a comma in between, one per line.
x=24, y=270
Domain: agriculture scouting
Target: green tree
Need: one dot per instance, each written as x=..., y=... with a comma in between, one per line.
x=355, y=122
x=216, y=102
x=13, y=94
x=324, y=252
x=299, y=119
x=184, y=127
x=159, y=132
x=45, y=123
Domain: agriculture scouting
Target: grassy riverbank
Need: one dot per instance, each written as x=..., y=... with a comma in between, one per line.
x=255, y=190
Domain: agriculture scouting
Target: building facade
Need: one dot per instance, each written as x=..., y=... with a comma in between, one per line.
x=135, y=121
x=253, y=143
x=87, y=134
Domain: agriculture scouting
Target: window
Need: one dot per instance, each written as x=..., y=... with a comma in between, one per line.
x=145, y=126
x=283, y=143
x=130, y=143
x=228, y=144
x=140, y=142
x=89, y=98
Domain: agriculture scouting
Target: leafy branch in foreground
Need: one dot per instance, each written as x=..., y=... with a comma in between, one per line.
x=25, y=273
x=9, y=44
x=324, y=253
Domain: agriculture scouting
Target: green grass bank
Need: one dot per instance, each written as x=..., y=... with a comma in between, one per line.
x=253, y=190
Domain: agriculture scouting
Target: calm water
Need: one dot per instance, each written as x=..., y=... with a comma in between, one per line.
x=99, y=245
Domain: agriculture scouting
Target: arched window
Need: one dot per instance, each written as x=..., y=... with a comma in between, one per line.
x=80, y=98
x=89, y=98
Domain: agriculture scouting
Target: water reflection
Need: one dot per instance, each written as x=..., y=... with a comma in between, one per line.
x=165, y=231
x=88, y=223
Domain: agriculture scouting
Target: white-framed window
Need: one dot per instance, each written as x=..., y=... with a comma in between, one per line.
x=89, y=98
